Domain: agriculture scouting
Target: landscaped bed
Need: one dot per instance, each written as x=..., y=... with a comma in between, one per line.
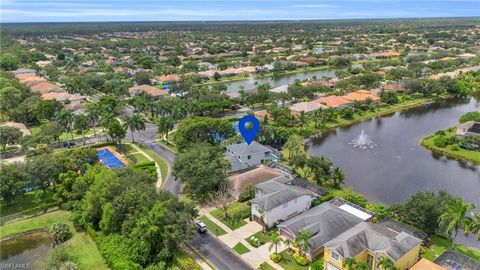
x=237, y=212
x=260, y=238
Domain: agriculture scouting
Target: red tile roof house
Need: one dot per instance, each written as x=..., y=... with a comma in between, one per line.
x=333, y=101
x=150, y=90
x=46, y=87
x=360, y=95
x=168, y=78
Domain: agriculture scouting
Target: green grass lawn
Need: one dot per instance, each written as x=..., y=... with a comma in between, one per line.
x=162, y=163
x=211, y=226
x=265, y=266
x=460, y=153
x=440, y=245
x=167, y=144
x=82, y=246
x=237, y=213
x=241, y=248
x=183, y=261
x=288, y=262
x=263, y=237
x=29, y=201
x=139, y=158
x=38, y=222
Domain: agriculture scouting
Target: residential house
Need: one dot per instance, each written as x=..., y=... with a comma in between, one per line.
x=386, y=55
x=24, y=71
x=277, y=200
x=333, y=101
x=147, y=89
x=369, y=243
x=240, y=181
x=23, y=129
x=243, y=156
x=324, y=222
x=398, y=87
x=306, y=107
x=425, y=264
x=470, y=128
x=360, y=95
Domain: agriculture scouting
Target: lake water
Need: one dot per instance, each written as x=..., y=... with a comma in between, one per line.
x=397, y=165
x=30, y=249
x=252, y=82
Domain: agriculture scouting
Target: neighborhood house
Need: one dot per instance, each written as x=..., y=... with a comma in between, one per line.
x=243, y=156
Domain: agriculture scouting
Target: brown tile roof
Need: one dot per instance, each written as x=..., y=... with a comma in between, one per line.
x=153, y=91
x=45, y=87
x=168, y=78
x=360, y=95
x=255, y=176
x=333, y=101
x=394, y=87
x=425, y=264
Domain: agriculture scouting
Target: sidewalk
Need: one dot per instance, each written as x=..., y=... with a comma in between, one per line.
x=256, y=256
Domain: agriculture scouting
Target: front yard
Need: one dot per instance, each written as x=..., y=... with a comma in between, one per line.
x=240, y=248
x=211, y=226
x=260, y=238
x=288, y=262
x=237, y=212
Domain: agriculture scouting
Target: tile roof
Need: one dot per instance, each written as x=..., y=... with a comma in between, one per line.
x=256, y=176
x=151, y=90
x=277, y=192
x=360, y=95
x=306, y=107
x=243, y=149
x=425, y=264
x=333, y=101
x=374, y=237
x=324, y=222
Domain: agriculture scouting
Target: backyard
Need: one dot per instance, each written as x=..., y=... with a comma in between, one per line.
x=451, y=150
x=440, y=245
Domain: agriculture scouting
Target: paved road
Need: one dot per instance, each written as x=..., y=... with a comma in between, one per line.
x=148, y=139
x=222, y=257
x=208, y=246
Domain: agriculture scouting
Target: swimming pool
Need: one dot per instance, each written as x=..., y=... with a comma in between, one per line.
x=108, y=158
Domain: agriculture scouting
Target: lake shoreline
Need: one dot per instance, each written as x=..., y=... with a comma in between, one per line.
x=446, y=152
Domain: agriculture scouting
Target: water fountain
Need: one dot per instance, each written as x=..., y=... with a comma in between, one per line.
x=363, y=141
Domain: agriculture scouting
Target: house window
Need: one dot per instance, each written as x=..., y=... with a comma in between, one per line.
x=335, y=256
x=249, y=157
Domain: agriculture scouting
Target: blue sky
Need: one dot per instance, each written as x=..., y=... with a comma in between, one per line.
x=182, y=10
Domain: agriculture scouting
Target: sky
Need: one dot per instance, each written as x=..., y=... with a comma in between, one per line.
x=215, y=10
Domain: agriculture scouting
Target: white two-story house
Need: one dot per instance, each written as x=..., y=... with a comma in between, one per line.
x=278, y=200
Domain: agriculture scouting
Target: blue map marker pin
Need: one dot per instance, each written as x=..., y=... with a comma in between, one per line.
x=249, y=135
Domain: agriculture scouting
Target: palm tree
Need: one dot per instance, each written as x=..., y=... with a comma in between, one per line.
x=350, y=263
x=474, y=226
x=92, y=114
x=338, y=177
x=65, y=118
x=303, y=241
x=295, y=146
x=164, y=125
x=287, y=242
x=105, y=119
x=275, y=240
x=455, y=217
x=81, y=123
x=386, y=264
x=134, y=122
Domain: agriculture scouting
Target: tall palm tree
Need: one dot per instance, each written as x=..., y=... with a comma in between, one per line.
x=287, y=242
x=93, y=114
x=386, y=264
x=134, y=122
x=275, y=240
x=105, y=119
x=295, y=146
x=81, y=123
x=455, y=217
x=165, y=125
x=303, y=241
x=350, y=263
x=474, y=226
x=338, y=177
x=65, y=119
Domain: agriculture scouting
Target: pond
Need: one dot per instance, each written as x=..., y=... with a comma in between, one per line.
x=387, y=163
x=252, y=82
x=30, y=249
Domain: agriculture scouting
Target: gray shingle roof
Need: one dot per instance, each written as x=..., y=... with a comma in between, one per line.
x=276, y=192
x=324, y=222
x=374, y=237
x=243, y=149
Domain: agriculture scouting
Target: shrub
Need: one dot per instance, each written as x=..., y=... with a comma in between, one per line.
x=440, y=141
x=455, y=147
x=300, y=260
x=69, y=266
x=276, y=257
x=60, y=233
x=355, y=198
x=317, y=265
x=58, y=256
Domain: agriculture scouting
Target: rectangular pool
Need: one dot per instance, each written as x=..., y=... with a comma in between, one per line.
x=109, y=158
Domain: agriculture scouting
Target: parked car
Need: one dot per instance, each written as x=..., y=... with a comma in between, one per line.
x=236, y=107
x=201, y=227
x=69, y=144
